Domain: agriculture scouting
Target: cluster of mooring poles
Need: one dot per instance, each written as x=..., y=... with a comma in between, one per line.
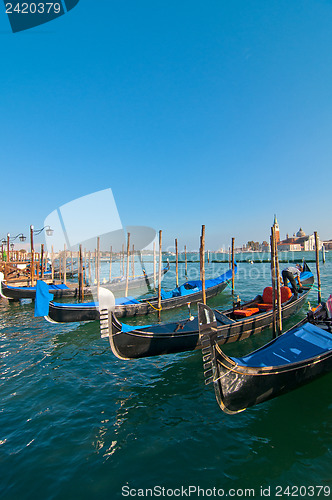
x=37, y=265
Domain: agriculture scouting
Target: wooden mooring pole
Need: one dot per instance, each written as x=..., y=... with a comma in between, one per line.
x=85, y=268
x=127, y=269
x=317, y=267
x=60, y=265
x=233, y=268
x=203, y=264
x=42, y=261
x=133, y=262
x=80, y=275
x=273, y=276
x=111, y=258
x=65, y=265
x=98, y=265
x=89, y=261
x=154, y=266
x=8, y=248
x=52, y=263
x=277, y=270
x=176, y=263
x=159, y=273
x=32, y=263
x=185, y=262
x=71, y=264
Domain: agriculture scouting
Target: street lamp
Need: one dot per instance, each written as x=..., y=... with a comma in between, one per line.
x=21, y=236
x=6, y=241
x=8, y=254
x=13, y=238
x=3, y=242
x=33, y=231
x=48, y=230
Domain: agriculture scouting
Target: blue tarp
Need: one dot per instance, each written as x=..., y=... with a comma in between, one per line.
x=58, y=287
x=129, y=328
x=126, y=300
x=120, y=301
x=293, y=346
x=74, y=304
x=43, y=298
x=191, y=287
x=305, y=275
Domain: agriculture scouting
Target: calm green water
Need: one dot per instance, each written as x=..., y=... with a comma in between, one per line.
x=75, y=422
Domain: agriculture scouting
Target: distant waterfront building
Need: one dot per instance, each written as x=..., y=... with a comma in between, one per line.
x=289, y=247
x=299, y=241
x=327, y=244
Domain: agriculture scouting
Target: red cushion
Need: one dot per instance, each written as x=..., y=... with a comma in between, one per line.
x=243, y=313
x=267, y=295
x=285, y=294
x=265, y=307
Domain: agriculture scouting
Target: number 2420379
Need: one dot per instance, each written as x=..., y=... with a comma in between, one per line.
x=33, y=8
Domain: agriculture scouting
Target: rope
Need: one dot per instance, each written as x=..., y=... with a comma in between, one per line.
x=230, y=285
x=155, y=308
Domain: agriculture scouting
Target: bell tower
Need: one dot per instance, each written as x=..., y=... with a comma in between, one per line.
x=276, y=226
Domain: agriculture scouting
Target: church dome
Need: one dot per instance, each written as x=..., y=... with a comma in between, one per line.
x=300, y=233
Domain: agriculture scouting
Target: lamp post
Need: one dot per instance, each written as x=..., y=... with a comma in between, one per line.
x=47, y=229
x=12, y=251
x=6, y=241
x=8, y=254
x=33, y=231
x=32, y=257
x=13, y=238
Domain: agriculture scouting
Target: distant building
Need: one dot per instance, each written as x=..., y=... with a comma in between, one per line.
x=289, y=247
x=299, y=241
x=327, y=244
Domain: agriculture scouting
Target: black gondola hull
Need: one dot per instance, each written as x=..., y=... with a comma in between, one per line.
x=67, y=313
x=240, y=389
x=71, y=314
x=18, y=293
x=184, y=335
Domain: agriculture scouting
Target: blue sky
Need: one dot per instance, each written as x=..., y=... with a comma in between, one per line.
x=215, y=113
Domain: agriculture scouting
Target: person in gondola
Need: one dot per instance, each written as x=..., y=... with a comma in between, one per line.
x=293, y=273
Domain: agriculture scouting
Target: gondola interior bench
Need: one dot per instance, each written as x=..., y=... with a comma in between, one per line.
x=244, y=313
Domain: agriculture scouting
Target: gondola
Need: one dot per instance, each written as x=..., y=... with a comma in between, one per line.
x=64, y=291
x=293, y=359
x=234, y=324
x=191, y=291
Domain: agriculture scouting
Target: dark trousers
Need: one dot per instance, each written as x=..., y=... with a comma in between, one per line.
x=287, y=275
